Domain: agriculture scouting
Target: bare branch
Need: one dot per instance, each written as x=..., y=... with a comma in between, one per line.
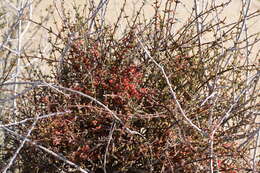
x=171, y=90
x=58, y=156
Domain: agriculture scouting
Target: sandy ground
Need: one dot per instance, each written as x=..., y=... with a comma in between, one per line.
x=231, y=13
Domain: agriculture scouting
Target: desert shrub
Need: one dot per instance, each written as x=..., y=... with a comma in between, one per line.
x=101, y=73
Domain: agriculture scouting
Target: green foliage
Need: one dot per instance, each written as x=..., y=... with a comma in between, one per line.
x=2, y=24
